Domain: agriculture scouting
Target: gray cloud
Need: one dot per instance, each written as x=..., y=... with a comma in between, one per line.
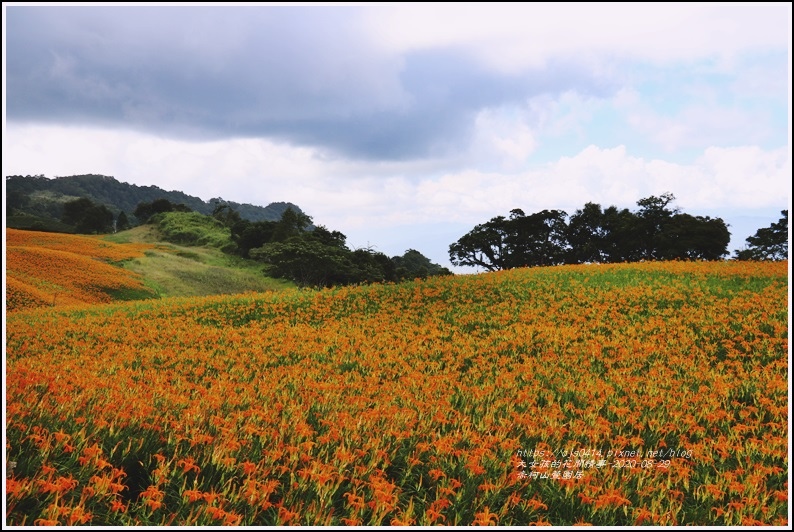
x=305, y=75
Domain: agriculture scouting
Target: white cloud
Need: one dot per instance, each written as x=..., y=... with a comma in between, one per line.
x=504, y=135
x=745, y=177
x=512, y=37
x=377, y=195
x=701, y=124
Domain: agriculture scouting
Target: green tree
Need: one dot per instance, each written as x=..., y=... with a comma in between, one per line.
x=653, y=216
x=693, y=237
x=74, y=211
x=537, y=239
x=768, y=243
x=587, y=233
x=249, y=235
x=413, y=265
x=97, y=219
x=369, y=266
x=501, y=243
x=87, y=217
x=292, y=223
x=144, y=211
x=16, y=200
x=623, y=236
x=305, y=261
x=484, y=246
x=328, y=238
x=122, y=222
x=224, y=213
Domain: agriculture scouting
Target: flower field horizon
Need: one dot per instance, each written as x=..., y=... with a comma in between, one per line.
x=631, y=394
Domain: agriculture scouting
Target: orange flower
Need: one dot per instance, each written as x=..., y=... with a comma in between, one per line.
x=232, y=519
x=248, y=467
x=152, y=492
x=117, y=506
x=188, y=465
x=436, y=474
x=354, y=501
x=274, y=375
x=536, y=505
x=154, y=504
x=210, y=497
x=485, y=518
x=433, y=515
x=643, y=515
x=286, y=516
x=79, y=516
x=192, y=495
x=15, y=488
x=215, y=513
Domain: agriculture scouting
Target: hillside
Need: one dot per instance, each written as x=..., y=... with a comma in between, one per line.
x=36, y=202
x=651, y=394
x=51, y=269
x=173, y=270
x=55, y=270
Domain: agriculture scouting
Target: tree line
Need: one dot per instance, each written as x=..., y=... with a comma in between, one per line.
x=309, y=255
x=655, y=231
x=293, y=248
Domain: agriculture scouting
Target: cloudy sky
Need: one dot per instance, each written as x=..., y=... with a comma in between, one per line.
x=405, y=126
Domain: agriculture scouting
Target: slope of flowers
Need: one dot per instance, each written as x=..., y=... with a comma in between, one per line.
x=470, y=400
x=51, y=269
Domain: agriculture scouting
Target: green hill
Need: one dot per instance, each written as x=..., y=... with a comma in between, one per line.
x=179, y=270
x=36, y=202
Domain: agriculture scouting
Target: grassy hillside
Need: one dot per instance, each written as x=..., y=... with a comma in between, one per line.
x=643, y=394
x=52, y=269
x=174, y=270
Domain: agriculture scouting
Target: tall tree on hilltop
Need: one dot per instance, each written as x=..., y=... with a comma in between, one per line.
x=768, y=243
x=587, y=232
x=520, y=240
x=653, y=216
x=484, y=246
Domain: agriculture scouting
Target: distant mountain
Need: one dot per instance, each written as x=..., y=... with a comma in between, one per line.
x=37, y=201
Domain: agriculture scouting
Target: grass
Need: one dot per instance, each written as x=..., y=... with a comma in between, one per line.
x=193, y=229
x=176, y=270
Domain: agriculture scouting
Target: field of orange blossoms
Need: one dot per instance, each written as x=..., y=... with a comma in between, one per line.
x=643, y=394
x=53, y=269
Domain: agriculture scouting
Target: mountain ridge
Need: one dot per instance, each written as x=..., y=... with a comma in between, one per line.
x=32, y=200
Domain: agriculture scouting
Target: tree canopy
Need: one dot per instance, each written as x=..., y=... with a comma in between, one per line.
x=656, y=231
x=768, y=243
x=87, y=217
x=145, y=211
x=293, y=248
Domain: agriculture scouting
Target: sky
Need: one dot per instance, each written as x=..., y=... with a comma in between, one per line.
x=404, y=126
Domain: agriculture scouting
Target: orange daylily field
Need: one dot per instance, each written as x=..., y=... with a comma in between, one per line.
x=52, y=269
x=635, y=394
